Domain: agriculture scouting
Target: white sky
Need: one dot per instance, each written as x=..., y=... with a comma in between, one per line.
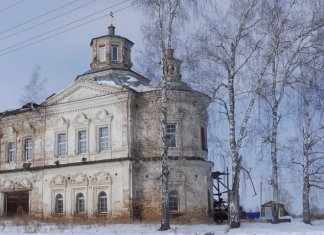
x=62, y=57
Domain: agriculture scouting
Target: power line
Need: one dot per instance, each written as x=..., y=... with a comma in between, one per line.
x=37, y=17
x=54, y=35
x=124, y=8
x=12, y=5
x=51, y=36
x=63, y=26
x=55, y=17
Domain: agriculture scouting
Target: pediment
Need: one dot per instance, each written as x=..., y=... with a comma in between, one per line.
x=81, y=91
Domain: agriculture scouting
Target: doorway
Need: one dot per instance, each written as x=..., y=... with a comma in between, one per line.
x=17, y=203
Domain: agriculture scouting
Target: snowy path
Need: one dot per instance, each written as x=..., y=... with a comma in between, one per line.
x=294, y=228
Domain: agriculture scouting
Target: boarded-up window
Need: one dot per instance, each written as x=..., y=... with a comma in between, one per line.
x=102, y=54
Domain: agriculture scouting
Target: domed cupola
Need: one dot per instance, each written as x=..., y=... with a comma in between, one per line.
x=111, y=51
x=173, y=73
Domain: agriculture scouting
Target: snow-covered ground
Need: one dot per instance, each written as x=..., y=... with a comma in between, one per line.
x=296, y=227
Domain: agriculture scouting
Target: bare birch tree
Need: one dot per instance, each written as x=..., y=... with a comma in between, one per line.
x=310, y=119
x=166, y=15
x=226, y=50
x=35, y=89
x=287, y=32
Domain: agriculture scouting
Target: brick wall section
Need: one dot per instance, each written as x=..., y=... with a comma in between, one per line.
x=16, y=128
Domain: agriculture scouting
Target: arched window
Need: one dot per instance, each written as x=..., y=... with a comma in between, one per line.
x=173, y=201
x=102, y=203
x=80, y=203
x=59, y=204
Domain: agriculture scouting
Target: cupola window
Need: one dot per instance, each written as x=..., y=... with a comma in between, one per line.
x=102, y=54
x=114, y=53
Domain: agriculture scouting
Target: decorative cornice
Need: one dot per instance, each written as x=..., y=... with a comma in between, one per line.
x=78, y=88
x=15, y=184
x=154, y=159
x=53, y=114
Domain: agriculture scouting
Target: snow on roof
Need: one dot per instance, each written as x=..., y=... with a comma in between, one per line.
x=123, y=81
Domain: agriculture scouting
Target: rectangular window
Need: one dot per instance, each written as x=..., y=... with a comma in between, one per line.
x=114, y=53
x=203, y=138
x=173, y=201
x=82, y=141
x=102, y=54
x=61, y=144
x=171, y=135
x=28, y=149
x=103, y=139
x=11, y=151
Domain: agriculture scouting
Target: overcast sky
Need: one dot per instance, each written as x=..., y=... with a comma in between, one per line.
x=64, y=56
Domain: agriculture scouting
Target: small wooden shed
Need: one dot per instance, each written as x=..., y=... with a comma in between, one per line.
x=266, y=210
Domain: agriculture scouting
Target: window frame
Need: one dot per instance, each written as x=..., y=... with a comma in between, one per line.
x=11, y=152
x=174, y=202
x=28, y=149
x=171, y=135
x=59, y=204
x=114, y=53
x=102, y=195
x=80, y=203
x=101, y=138
x=58, y=144
x=79, y=141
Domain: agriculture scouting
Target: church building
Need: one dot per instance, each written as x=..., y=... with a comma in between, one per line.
x=93, y=150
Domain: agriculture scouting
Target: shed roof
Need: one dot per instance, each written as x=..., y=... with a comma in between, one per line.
x=269, y=203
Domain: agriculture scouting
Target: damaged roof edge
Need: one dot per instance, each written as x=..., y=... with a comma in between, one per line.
x=26, y=107
x=115, y=36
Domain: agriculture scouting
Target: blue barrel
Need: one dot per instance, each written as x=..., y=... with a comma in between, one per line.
x=252, y=215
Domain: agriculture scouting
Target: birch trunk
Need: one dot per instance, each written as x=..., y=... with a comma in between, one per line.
x=165, y=218
x=234, y=214
x=234, y=199
x=274, y=176
x=306, y=189
x=306, y=149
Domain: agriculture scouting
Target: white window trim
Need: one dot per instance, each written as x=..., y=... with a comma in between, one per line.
x=177, y=121
x=25, y=149
x=81, y=123
x=8, y=151
x=97, y=188
x=103, y=119
x=61, y=126
x=57, y=143
x=98, y=127
x=77, y=208
x=100, y=138
x=63, y=201
x=99, y=203
x=77, y=147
